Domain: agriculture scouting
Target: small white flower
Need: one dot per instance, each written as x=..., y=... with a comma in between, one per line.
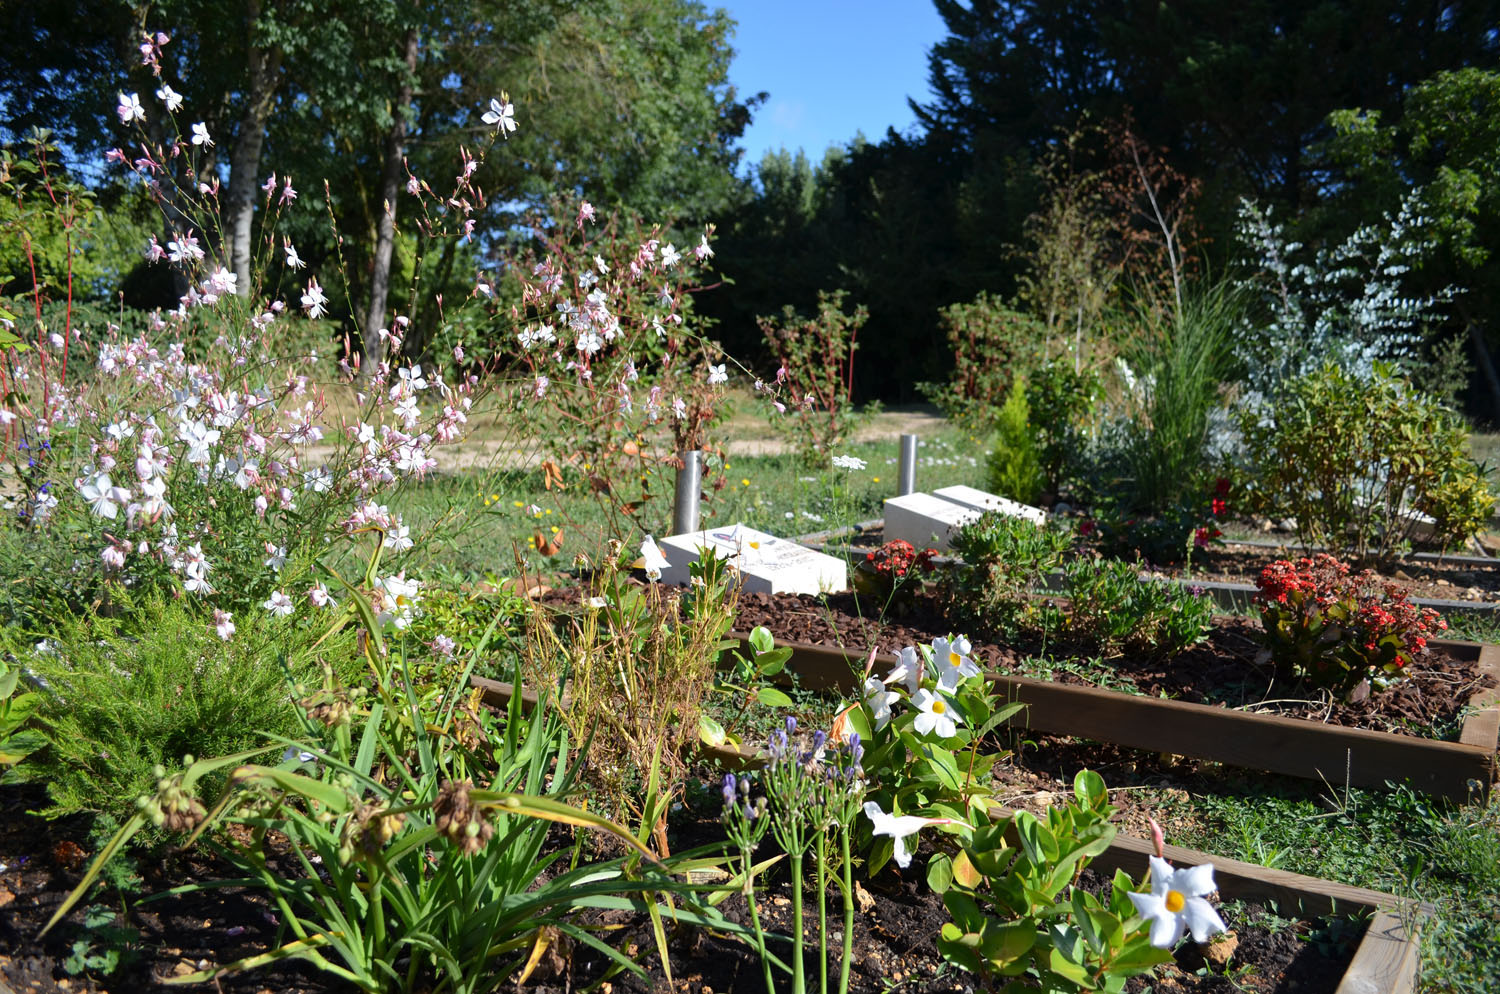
x=293, y=260
x=899, y=828
x=502, y=115
x=444, y=646
x=318, y=596
x=314, y=300
x=848, y=462
x=937, y=714
x=652, y=559
x=669, y=256
x=275, y=556
x=223, y=624
x=598, y=602
x=104, y=498
x=279, y=604
x=130, y=108
x=716, y=374
x=170, y=97
x=1176, y=903
x=299, y=755
x=200, y=135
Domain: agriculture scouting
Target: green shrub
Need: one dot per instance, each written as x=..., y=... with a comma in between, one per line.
x=1015, y=465
x=992, y=344
x=1062, y=402
x=1115, y=610
x=123, y=694
x=1003, y=560
x=817, y=355
x=1349, y=458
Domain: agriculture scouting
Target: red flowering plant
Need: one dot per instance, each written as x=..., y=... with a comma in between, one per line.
x=1339, y=629
x=894, y=569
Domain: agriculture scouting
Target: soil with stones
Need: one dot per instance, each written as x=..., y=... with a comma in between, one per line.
x=1227, y=670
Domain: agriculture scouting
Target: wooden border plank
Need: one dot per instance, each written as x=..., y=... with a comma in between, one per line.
x=1388, y=959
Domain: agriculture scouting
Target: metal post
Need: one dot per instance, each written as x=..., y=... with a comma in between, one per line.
x=685, y=501
x=907, y=483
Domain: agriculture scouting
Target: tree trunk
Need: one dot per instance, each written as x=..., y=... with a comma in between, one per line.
x=244, y=161
x=1486, y=367
x=390, y=189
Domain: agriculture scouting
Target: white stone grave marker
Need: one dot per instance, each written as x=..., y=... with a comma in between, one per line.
x=978, y=500
x=924, y=520
x=767, y=564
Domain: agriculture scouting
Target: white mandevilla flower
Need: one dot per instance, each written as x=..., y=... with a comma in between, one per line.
x=279, y=604
x=879, y=699
x=952, y=662
x=1176, y=903
x=908, y=669
x=937, y=714
x=899, y=828
x=501, y=115
x=652, y=560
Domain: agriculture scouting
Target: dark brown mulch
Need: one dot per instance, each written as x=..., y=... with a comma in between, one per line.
x=44, y=860
x=1225, y=670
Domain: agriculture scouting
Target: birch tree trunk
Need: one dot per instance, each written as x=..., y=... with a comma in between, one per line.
x=244, y=160
x=390, y=189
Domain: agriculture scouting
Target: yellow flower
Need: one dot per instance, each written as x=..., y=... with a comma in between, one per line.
x=518, y=503
x=874, y=479
x=745, y=482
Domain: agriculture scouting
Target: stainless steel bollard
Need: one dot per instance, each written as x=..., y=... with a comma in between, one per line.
x=689, y=493
x=907, y=477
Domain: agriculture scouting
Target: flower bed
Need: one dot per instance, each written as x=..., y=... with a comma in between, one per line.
x=1294, y=746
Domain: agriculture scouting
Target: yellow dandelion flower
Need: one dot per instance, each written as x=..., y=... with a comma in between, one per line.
x=745, y=482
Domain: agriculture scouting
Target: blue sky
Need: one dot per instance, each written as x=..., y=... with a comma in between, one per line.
x=832, y=67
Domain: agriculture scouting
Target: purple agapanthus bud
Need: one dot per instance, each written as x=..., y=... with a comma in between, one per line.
x=856, y=750
x=729, y=790
x=791, y=725
x=819, y=740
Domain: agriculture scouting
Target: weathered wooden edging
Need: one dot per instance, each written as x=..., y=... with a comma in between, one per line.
x=1294, y=746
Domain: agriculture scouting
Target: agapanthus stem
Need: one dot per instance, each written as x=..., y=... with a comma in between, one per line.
x=848, y=908
x=760, y=935
x=799, y=977
x=822, y=913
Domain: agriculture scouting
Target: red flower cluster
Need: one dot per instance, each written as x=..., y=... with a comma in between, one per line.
x=1340, y=628
x=895, y=559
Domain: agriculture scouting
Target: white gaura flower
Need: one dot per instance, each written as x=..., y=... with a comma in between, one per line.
x=652, y=560
x=200, y=135
x=716, y=375
x=1176, y=903
x=130, y=108
x=223, y=624
x=950, y=658
x=399, y=539
x=908, y=670
x=879, y=699
x=502, y=115
x=900, y=828
x=170, y=97
x=105, y=499
x=293, y=260
x=279, y=604
x=670, y=256
x=313, y=300
x=318, y=596
x=937, y=714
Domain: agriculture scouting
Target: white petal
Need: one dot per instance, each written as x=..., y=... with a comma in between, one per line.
x=1148, y=905
x=924, y=722
x=1161, y=876
x=1202, y=919
x=902, y=854
x=1166, y=930
x=1196, y=881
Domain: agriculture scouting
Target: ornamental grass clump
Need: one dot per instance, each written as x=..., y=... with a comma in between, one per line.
x=1337, y=629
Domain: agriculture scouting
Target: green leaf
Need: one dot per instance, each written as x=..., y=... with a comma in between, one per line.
x=940, y=873
x=710, y=732
x=761, y=639
x=773, y=698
